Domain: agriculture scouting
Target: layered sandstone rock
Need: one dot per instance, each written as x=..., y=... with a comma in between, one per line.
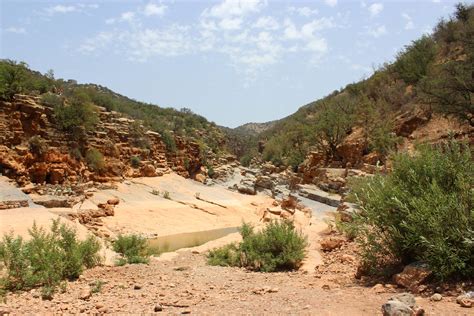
x=113, y=136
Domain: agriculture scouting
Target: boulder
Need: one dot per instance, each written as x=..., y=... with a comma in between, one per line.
x=396, y=308
x=246, y=186
x=264, y=182
x=113, y=201
x=148, y=171
x=413, y=275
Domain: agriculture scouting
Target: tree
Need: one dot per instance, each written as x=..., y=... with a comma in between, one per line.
x=412, y=64
x=450, y=85
x=333, y=122
x=12, y=78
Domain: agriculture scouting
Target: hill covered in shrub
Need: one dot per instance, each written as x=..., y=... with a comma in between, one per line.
x=432, y=75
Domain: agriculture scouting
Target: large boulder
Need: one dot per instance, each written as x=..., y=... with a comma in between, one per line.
x=246, y=186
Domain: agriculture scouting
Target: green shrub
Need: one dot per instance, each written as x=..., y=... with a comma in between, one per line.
x=38, y=145
x=133, y=249
x=46, y=259
x=226, y=256
x=169, y=142
x=245, y=160
x=80, y=112
x=95, y=160
x=135, y=161
x=210, y=171
x=52, y=100
x=277, y=247
x=422, y=211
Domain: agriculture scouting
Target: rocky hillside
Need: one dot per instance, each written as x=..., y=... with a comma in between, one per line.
x=255, y=128
x=425, y=95
x=33, y=147
x=54, y=131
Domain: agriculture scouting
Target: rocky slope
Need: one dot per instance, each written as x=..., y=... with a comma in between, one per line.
x=60, y=159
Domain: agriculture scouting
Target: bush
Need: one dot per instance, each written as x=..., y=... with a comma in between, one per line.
x=169, y=142
x=133, y=249
x=422, y=211
x=38, y=145
x=46, y=259
x=245, y=160
x=95, y=160
x=52, y=100
x=135, y=161
x=277, y=247
x=79, y=113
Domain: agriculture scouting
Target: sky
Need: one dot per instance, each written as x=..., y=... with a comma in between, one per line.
x=232, y=61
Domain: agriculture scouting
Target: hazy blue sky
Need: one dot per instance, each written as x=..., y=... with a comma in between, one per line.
x=233, y=61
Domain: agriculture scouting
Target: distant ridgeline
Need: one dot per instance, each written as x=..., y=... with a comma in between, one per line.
x=50, y=126
x=429, y=86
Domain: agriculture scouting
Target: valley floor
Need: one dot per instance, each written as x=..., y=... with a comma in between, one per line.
x=181, y=282
x=184, y=284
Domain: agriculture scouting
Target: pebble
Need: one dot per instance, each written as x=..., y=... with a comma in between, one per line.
x=436, y=297
x=158, y=308
x=137, y=287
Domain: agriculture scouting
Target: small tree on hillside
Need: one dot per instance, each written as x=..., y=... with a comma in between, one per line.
x=333, y=122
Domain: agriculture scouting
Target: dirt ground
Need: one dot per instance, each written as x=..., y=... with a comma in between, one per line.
x=184, y=283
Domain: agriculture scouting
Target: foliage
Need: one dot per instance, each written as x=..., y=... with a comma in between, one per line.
x=412, y=64
x=135, y=161
x=450, y=86
x=38, y=145
x=52, y=100
x=95, y=160
x=47, y=258
x=277, y=247
x=133, y=249
x=333, y=122
x=422, y=211
x=245, y=160
x=79, y=114
x=18, y=78
x=97, y=286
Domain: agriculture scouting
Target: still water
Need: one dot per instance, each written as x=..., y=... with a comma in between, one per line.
x=174, y=242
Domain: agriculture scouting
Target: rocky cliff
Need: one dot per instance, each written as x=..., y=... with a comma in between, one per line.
x=25, y=124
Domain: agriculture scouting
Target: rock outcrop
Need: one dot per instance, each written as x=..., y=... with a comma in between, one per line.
x=114, y=137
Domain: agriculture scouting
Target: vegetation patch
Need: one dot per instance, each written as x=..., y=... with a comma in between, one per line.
x=38, y=145
x=95, y=160
x=132, y=248
x=46, y=259
x=279, y=246
x=422, y=211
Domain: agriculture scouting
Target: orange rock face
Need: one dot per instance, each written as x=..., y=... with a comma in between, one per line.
x=64, y=160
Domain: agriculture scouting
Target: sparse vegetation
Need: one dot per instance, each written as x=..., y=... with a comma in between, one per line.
x=133, y=249
x=135, y=161
x=46, y=258
x=96, y=286
x=277, y=247
x=38, y=145
x=95, y=160
x=422, y=211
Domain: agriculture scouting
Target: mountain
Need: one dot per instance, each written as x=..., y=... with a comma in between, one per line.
x=425, y=95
